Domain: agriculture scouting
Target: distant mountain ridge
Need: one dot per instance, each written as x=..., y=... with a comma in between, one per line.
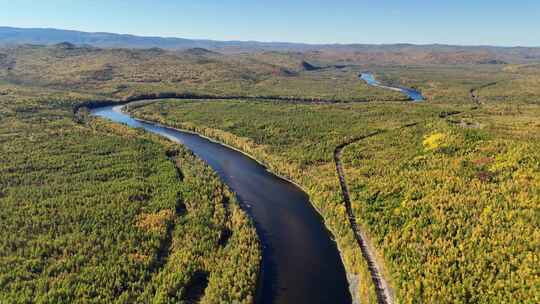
x=386, y=53
x=49, y=36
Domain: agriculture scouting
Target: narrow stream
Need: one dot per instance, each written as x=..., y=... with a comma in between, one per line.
x=301, y=262
x=415, y=95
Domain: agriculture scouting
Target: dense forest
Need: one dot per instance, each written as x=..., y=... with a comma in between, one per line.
x=96, y=212
x=454, y=209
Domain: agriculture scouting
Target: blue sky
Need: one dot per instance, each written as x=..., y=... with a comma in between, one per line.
x=471, y=22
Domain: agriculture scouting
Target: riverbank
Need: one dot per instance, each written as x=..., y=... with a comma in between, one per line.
x=325, y=195
x=288, y=250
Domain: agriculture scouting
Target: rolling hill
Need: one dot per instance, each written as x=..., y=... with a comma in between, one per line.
x=344, y=53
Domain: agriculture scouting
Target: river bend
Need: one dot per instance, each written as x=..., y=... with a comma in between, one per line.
x=413, y=94
x=301, y=262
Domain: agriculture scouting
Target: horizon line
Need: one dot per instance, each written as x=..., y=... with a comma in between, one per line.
x=263, y=41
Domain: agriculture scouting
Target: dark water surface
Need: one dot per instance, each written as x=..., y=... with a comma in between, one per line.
x=301, y=262
x=412, y=93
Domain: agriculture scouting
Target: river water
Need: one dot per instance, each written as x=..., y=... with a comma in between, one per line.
x=415, y=95
x=301, y=262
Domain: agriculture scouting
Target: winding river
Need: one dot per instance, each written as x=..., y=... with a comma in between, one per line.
x=413, y=94
x=301, y=261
